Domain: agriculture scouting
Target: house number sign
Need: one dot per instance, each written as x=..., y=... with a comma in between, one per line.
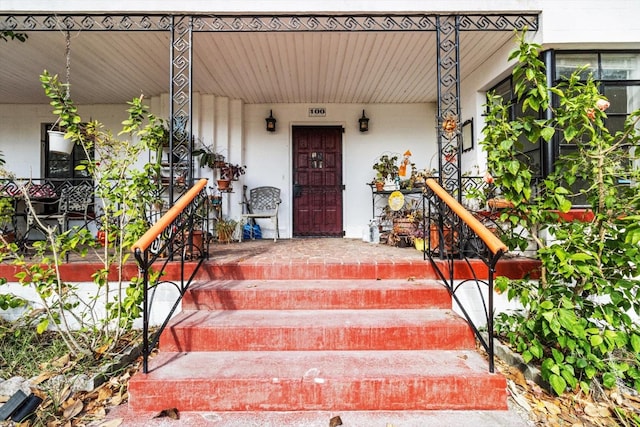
x=317, y=112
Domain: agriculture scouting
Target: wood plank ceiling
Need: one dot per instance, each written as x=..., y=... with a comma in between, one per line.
x=338, y=67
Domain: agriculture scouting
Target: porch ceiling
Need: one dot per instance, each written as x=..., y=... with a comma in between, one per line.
x=336, y=67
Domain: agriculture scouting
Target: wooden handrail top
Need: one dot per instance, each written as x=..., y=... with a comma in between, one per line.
x=494, y=244
x=145, y=241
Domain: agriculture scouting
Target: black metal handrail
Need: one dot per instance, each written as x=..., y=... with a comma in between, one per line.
x=455, y=236
x=172, y=238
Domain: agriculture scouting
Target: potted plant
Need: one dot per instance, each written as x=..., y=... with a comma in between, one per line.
x=59, y=142
x=225, y=229
x=401, y=222
x=229, y=172
x=386, y=170
x=419, y=177
x=209, y=157
x=418, y=236
x=232, y=171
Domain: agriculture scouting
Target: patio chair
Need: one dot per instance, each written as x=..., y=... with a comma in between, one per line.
x=73, y=204
x=263, y=203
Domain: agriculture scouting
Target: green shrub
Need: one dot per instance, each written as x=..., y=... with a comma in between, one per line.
x=577, y=318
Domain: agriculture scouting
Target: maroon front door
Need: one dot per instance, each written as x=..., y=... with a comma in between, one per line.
x=317, y=181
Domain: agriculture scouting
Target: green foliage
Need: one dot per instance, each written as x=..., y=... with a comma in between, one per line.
x=577, y=319
x=127, y=193
x=208, y=157
x=6, y=214
x=12, y=35
x=386, y=167
x=24, y=352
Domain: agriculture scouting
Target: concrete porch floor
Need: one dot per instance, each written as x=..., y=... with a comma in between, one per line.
x=296, y=252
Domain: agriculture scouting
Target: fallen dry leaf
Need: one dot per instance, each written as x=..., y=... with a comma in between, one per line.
x=597, y=411
x=112, y=423
x=517, y=396
x=100, y=350
x=61, y=361
x=172, y=413
x=42, y=377
x=118, y=399
x=104, y=394
x=518, y=377
x=99, y=413
x=73, y=409
x=335, y=421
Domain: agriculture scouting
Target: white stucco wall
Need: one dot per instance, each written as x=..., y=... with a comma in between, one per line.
x=272, y=5
x=20, y=136
x=392, y=128
x=238, y=131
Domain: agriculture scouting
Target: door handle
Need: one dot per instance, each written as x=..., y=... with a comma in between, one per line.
x=297, y=190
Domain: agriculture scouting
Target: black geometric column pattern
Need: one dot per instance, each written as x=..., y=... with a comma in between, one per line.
x=448, y=120
x=180, y=110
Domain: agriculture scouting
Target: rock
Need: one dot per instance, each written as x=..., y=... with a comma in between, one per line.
x=10, y=386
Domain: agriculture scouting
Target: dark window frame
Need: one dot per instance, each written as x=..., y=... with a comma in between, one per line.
x=74, y=159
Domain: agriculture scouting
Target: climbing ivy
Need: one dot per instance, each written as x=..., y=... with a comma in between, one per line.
x=580, y=319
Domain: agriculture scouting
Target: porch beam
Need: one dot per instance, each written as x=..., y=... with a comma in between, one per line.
x=85, y=22
x=265, y=23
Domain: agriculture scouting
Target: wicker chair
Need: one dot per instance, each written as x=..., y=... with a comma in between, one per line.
x=263, y=203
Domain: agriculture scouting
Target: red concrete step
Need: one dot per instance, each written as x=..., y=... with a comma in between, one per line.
x=240, y=330
x=315, y=294
x=312, y=269
x=318, y=381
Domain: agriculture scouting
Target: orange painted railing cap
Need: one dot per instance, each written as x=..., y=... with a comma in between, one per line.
x=165, y=221
x=494, y=244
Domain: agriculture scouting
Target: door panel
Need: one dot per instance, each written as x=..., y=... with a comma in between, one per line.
x=317, y=175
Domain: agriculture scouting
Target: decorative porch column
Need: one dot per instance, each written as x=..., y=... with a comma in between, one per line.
x=180, y=109
x=448, y=121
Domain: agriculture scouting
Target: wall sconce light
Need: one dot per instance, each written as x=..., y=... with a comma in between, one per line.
x=363, y=123
x=271, y=122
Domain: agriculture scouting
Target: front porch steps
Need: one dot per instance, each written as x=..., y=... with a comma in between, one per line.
x=319, y=380
x=317, y=345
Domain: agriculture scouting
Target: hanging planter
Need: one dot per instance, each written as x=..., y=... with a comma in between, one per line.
x=58, y=143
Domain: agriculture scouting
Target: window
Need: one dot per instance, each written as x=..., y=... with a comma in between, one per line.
x=618, y=76
x=62, y=167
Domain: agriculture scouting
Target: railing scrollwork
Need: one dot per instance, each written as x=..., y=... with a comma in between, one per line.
x=171, y=238
x=460, y=238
